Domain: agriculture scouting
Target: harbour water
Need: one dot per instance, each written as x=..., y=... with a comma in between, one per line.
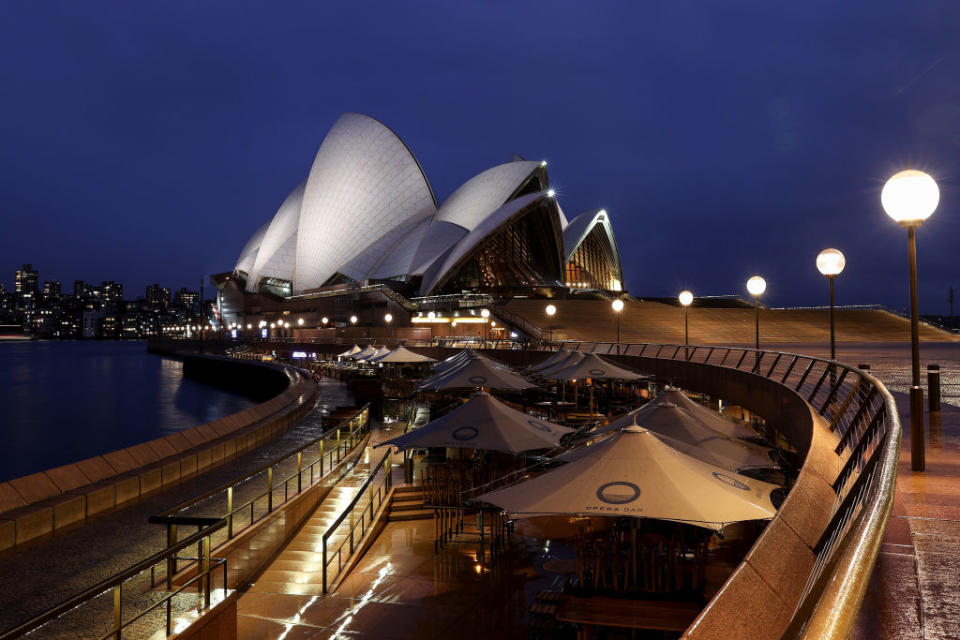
x=65, y=401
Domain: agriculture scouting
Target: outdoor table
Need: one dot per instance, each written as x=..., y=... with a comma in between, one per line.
x=604, y=611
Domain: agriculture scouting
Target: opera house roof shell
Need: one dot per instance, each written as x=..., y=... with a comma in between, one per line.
x=367, y=212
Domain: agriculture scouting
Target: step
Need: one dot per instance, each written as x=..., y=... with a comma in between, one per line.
x=420, y=514
x=406, y=506
x=409, y=488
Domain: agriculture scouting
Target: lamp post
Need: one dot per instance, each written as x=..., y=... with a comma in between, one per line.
x=551, y=310
x=388, y=319
x=756, y=286
x=485, y=314
x=617, y=308
x=686, y=299
x=910, y=197
x=830, y=262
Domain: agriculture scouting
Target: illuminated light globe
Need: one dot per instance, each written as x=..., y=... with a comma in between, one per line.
x=353, y=319
x=685, y=298
x=485, y=313
x=910, y=197
x=830, y=262
x=300, y=321
x=617, y=305
x=550, y=309
x=756, y=286
x=325, y=320
x=388, y=318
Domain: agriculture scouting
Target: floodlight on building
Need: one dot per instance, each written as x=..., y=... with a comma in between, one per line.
x=551, y=193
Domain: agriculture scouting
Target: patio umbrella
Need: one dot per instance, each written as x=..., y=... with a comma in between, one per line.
x=483, y=422
x=350, y=352
x=402, y=355
x=636, y=474
x=369, y=351
x=476, y=371
x=571, y=358
x=593, y=366
x=462, y=357
x=557, y=356
x=382, y=351
x=672, y=413
x=688, y=437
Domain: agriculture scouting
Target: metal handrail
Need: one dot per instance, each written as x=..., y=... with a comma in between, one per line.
x=114, y=583
x=860, y=410
x=385, y=464
x=359, y=425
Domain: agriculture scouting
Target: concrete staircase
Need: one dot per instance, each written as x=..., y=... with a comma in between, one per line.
x=407, y=504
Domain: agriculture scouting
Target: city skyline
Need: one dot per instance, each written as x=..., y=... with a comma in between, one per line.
x=151, y=141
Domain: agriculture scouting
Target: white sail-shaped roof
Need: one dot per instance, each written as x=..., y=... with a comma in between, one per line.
x=278, y=251
x=484, y=193
x=580, y=227
x=364, y=184
x=439, y=272
x=249, y=253
x=636, y=474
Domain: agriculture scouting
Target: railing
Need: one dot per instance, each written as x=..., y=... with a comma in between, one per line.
x=361, y=512
x=101, y=611
x=89, y=615
x=309, y=463
x=863, y=415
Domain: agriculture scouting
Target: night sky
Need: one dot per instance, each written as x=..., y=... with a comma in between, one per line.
x=145, y=141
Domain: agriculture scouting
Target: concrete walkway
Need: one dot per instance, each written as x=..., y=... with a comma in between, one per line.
x=41, y=575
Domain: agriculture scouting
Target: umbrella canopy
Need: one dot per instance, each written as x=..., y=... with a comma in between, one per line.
x=379, y=353
x=476, y=371
x=593, y=366
x=636, y=474
x=557, y=356
x=402, y=355
x=462, y=357
x=350, y=352
x=369, y=351
x=483, y=422
x=688, y=432
x=571, y=359
x=672, y=403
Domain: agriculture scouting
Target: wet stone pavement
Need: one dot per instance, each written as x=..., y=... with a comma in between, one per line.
x=41, y=575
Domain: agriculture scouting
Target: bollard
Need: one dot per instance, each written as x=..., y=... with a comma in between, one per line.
x=933, y=387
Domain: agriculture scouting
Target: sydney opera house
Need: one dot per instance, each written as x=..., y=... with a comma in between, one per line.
x=367, y=217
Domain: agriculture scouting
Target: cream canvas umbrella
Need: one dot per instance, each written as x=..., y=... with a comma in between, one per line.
x=593, y=366
x=402, y=355
x=476, y=372
x=350, y=352
x=673, y=414
x=369, y=351
x=483, y=422
x=382, y=351
x=571, y=358
x=462, y=357
x=689, y=437
x=636, y=474
x=557, y=356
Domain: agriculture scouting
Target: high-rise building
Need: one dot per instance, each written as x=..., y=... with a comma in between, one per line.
x=185, y=298
x=81, y=290
x=157, y=296
x=110, y=291
x=52, y=290
x=25, y=286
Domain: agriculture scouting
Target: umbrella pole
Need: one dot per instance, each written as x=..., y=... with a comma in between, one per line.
x=590, y=404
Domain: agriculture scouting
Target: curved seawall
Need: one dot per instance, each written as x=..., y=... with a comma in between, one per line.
x=40, y=503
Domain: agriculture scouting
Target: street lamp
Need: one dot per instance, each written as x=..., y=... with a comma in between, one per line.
x=388, y=319
x=617, y=308
x=830, y=262
x=910, y=197
x=756, y=286
x=353, y=319
x=686, y=299
x=324, y=320
x=300, y=321
x=551, y=311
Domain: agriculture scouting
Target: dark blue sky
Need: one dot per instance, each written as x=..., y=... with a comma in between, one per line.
x=146, y=141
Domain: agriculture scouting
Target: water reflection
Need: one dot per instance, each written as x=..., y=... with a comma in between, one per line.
x=65, y=401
